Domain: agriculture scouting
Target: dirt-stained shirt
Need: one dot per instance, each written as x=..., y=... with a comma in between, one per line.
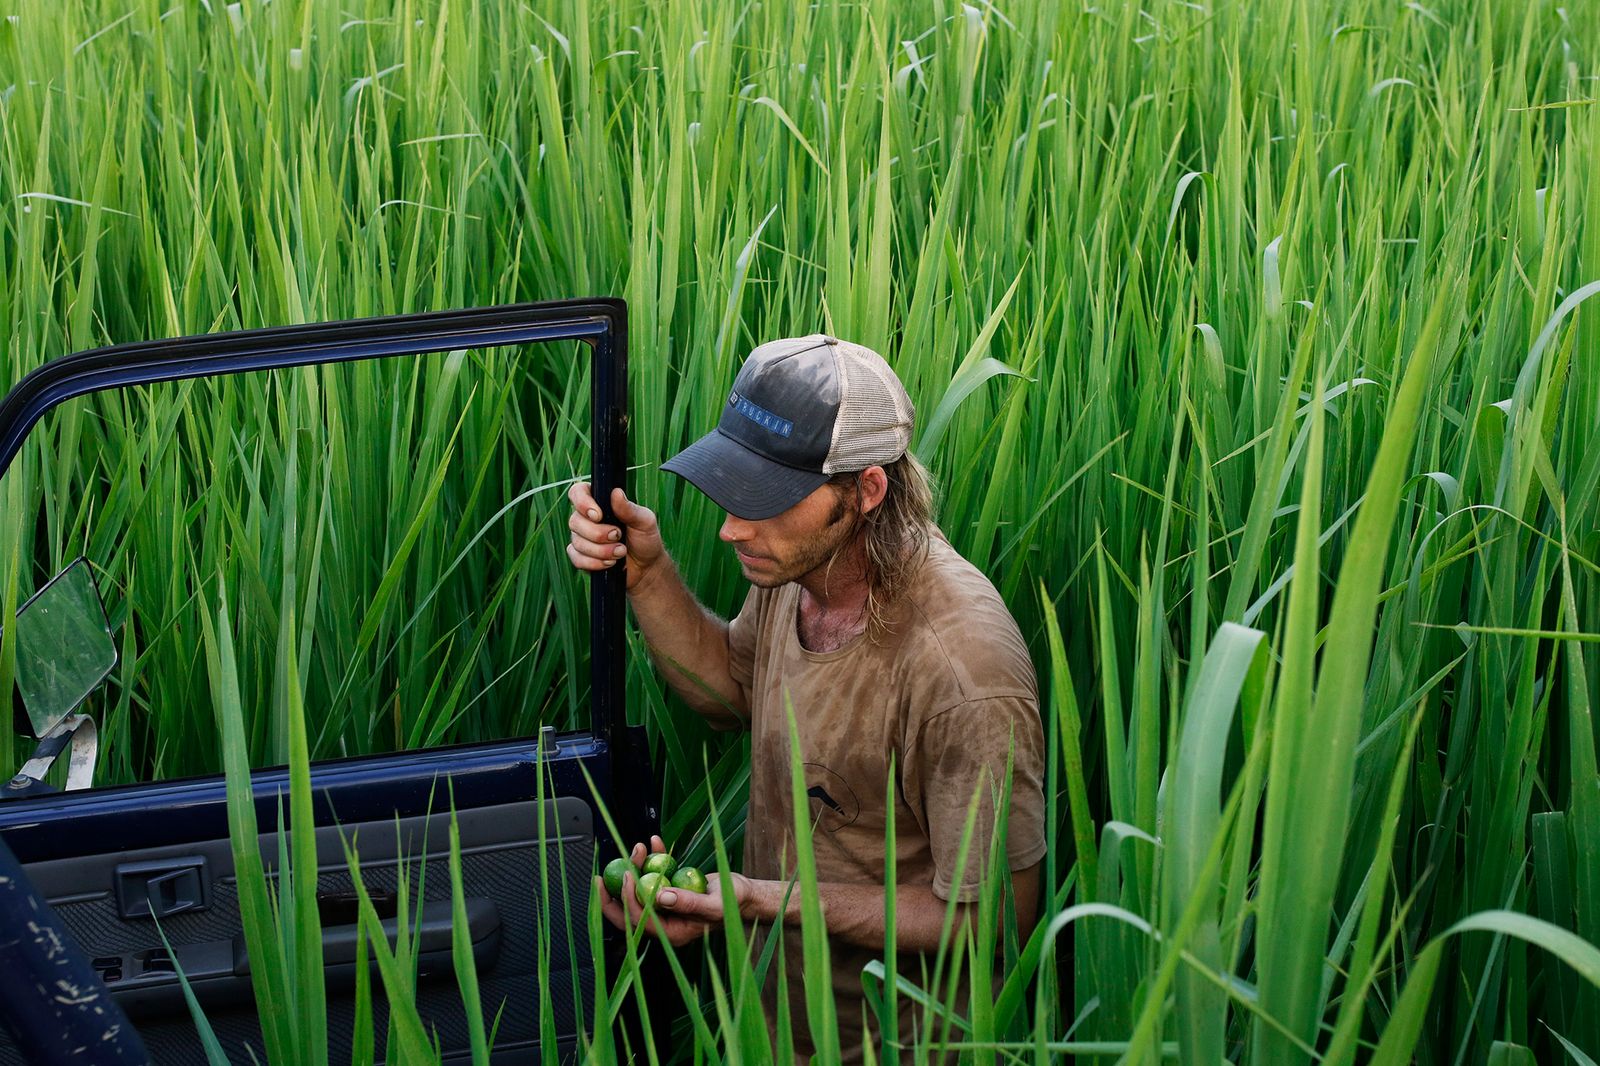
x=945, y=693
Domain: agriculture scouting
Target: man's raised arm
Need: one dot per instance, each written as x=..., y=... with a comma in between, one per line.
x=687, y=641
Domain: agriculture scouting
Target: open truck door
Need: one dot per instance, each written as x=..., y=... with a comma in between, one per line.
x=109, y=863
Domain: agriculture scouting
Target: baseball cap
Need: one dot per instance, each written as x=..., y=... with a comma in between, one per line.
x=801, y=410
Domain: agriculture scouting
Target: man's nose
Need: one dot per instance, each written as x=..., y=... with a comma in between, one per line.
x=734, y=529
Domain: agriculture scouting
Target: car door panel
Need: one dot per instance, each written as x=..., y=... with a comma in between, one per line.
x=105, y=859
x=502, y=849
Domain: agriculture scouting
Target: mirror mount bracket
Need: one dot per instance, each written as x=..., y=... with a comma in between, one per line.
x=76, y=732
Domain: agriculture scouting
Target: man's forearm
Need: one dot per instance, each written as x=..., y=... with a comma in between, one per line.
x=855, y=913
x=689, y=645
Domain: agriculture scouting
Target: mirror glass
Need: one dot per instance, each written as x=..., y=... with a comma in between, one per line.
x=64, y=647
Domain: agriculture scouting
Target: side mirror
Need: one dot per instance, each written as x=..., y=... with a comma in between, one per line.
x=64, y=649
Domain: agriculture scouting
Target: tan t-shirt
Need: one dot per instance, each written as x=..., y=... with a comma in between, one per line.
x=944, y=693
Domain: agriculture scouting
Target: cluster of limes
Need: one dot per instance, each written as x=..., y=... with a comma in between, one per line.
x=659, y=871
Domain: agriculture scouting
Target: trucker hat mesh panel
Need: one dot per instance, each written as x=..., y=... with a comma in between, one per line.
x=874, y=421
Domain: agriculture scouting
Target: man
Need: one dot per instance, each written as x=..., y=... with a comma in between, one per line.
x=890, y=647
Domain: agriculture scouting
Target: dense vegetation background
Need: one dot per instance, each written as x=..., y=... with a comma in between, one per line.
x=1247, y=340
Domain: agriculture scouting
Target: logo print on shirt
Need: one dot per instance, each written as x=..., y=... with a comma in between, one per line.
x=760, y=415
x=833, y=802
x=817, y=792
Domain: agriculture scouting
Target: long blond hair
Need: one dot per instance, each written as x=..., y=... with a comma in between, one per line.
x=896, y=532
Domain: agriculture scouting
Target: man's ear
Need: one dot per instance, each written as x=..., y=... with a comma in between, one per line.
x=874, y=487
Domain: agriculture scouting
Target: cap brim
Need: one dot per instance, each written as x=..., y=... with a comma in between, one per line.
x=744, y=484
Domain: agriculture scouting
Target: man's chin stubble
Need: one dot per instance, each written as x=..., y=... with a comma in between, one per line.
x=763, y=581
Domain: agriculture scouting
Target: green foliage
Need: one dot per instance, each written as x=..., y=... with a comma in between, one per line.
x=1222, y=318
x=282, y=925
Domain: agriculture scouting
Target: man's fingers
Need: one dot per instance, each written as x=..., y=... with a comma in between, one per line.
x=626, y=511
x=635, y=516
x=595, y=549
x=583, y=501
x=638, y=854
x=658, y=846
x=599, y=532
x=630, y=899
x=621, y=506
x=678, y=917
x=585, y=561
x=682, y=904
x=597, y=544
x=610, y=908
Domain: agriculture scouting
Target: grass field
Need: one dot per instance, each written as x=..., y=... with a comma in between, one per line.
x=1249, y=343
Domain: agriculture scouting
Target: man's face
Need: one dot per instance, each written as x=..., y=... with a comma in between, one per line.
x=790, y=545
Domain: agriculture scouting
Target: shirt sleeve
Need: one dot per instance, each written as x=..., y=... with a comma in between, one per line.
x=742, y=633
x=962, y=752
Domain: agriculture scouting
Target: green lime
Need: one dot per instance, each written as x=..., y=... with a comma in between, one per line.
x=689, y=879
x=615, y=869
x=661, y=863
x=649, y=885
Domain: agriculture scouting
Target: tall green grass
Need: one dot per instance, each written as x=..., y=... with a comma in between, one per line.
x=1259, y=337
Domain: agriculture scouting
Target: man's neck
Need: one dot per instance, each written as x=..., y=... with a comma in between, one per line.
x=839, y=591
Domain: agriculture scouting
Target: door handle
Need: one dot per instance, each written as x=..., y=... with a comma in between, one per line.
x=162, y=888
